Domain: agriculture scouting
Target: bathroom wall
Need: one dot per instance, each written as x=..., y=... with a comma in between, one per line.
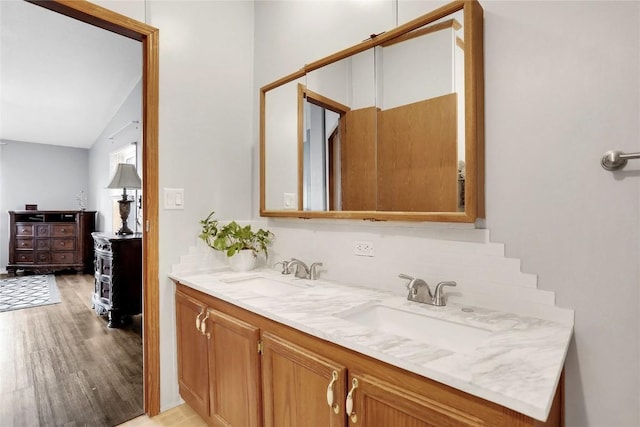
x=562, y=87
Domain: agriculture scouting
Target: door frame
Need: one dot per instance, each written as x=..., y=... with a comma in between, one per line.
x=104, y=18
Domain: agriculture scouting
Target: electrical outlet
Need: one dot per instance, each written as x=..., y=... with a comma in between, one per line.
x=363, y=248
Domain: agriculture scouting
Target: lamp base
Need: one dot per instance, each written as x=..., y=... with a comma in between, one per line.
x=125, y=208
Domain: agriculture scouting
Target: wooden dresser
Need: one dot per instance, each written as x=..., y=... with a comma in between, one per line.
x=48, y=241
x=118, y=276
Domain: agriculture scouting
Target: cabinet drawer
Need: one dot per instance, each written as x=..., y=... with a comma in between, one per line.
x=43, y=258
x=64, y=244
x=43, y=244
x=24, y=243
x=103, y=266
x=43, y=230
x=64, y=230
x=24, y=257
x=62, y=257
x=24, y=229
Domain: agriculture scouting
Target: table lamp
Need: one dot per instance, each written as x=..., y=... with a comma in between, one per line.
x=125, y=177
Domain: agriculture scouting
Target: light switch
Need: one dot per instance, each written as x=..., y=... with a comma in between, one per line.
x=289, y=200
x=174, y=198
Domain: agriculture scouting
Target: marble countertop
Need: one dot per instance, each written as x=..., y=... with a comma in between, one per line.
x=516, y=364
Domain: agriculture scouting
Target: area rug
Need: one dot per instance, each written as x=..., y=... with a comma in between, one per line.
x=28, y=291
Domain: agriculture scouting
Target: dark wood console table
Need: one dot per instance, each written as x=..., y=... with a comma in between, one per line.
x=118, y=277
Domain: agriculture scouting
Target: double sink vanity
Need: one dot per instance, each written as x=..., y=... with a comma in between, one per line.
x=262, y=348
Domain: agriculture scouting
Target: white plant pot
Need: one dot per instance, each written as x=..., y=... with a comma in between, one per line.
x=244, y=260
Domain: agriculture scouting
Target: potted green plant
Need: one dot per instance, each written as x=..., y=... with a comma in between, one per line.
x=241, y=244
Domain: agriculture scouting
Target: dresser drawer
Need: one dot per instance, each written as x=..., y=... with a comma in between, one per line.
x=64, y=230
x=43, y=244
x=43, y=258
x=24, y=229
x=24, y=257
x=43, y=230
x=63, y=244
x=62, y=257
x=24, y=243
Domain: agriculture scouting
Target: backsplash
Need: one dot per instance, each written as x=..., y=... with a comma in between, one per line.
x=433, y=252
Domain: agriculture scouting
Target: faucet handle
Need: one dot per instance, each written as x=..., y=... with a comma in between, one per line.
x=409, y=278
x=438, y=297
x=285, y=266
x=313, y=270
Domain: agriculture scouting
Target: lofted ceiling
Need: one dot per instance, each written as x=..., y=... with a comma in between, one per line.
x=61, y=80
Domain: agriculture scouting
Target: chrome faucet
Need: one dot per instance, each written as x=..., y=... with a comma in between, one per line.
x=297, y=265
x=419, y=291
x=300, y=269
x=313, y=270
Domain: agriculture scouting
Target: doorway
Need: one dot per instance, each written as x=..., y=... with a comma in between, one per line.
x=148, y=36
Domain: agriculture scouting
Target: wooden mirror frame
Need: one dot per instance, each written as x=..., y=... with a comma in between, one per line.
x=148, y=36
x=474, y=121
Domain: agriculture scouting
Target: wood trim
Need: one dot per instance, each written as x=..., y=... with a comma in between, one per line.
x=263, y=149
x=324, y=102
x=373, y=215
x=300, y=147
x=474, y=109
x=386, y=36
x=284, y=80
x=460, y=43
x=449, y=23
x=104, y=18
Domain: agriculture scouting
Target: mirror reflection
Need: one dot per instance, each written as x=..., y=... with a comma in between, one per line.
x=388, y=119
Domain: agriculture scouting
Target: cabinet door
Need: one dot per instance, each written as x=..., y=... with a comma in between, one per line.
x=296, y=384
x=377, y=403
x=234, y=370
x=193, y=374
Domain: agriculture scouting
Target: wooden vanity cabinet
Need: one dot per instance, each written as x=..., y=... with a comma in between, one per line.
x=286, y=386
x=234, y=370
x=218, y=364
x=193, y=367
x=297, y=385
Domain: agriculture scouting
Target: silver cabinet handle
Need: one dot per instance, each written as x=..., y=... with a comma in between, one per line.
x=349, y=402
x=334, y=378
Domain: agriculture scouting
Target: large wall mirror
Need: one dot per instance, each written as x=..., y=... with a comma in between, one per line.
x=389, y=129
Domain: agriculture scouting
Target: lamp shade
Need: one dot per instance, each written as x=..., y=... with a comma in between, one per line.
x=125, y=177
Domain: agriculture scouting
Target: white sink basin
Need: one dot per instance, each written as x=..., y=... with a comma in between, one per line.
x=265, y=286
x=448, y=335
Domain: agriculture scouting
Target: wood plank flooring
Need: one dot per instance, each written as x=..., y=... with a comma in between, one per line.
x=61, y=366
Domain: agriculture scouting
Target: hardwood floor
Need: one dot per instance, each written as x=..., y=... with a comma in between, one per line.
x=180, y=416
x=61, y=366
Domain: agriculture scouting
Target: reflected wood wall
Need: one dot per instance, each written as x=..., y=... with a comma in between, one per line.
x=417, y=150
x=358, y=162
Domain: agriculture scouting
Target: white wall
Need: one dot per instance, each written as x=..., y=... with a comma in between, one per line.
x=562, y=87
x=47, y=175
x=206, y=145
x=100, y=197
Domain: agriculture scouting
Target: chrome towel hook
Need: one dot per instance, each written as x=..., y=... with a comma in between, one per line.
x=616, y=159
